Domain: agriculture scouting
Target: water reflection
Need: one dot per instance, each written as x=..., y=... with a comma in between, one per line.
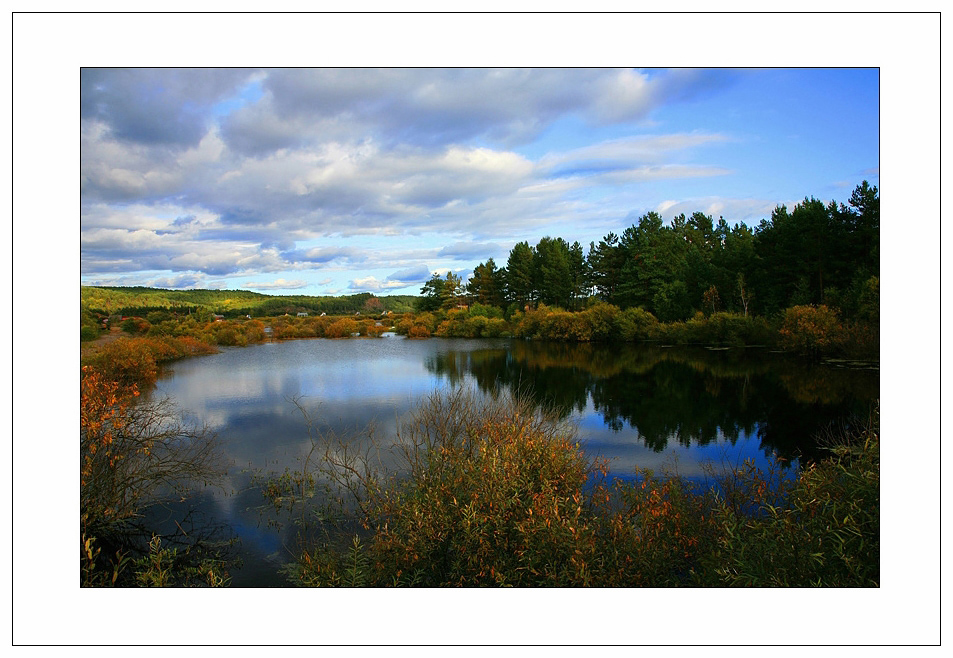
x=636, y=405
x=684, y=396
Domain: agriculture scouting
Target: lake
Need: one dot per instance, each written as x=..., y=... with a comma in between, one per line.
x=676, y=408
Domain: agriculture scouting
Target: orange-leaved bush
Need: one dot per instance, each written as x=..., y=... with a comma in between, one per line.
x=811, y=330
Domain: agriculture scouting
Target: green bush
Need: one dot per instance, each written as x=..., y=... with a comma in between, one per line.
x=484, y=310
x=636, y=324
x=87, y=332
x=825, y=533
x=496, y=328
x=603, y=322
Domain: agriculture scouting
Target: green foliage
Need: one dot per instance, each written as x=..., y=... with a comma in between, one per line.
x=87, y=333
x=637, y=324
x=487, y=284
x=432, y=292
x=602, y=320
x=483, y=310
x=824, y=532
x=729, y=329
x=520, y=278
x=165, y=567
x=671, y=302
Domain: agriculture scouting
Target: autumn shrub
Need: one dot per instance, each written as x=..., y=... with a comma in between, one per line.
x=128, y=361
x=811, y=330
x=375, y=330
x=133, y=454
x=496, y=328
x=87, y=333
x=429, y=320
x=562, y=326
x=170, y=567
x=452, y=324
x=527, y=324
x=254, y=331
x=228, y=334
x=418, y=331
x=658, y=532
x=495, y=492
x=136, y=360
x=492, y=493
x=342, y=328
x=602, y=319
x=636, y=324
x=474, y=326
x=135, y=325
x=861, y=340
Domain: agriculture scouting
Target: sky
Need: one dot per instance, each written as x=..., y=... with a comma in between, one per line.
x=333, y=181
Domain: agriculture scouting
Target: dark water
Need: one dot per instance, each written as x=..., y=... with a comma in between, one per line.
x=647, y=406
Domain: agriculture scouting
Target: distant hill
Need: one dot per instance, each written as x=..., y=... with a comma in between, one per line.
x=138, y=300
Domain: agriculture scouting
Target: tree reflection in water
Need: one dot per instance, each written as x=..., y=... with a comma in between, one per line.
x=688, y=396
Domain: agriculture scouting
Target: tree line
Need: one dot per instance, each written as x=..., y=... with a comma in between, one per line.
x=814, y=254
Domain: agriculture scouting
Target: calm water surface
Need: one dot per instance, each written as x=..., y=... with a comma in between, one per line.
x=655, y=407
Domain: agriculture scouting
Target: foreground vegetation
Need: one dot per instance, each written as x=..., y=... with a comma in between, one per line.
x=135, y=456
x=491, y=492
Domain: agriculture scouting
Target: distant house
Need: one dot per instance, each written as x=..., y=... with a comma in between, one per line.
x=302, y=315
x=218, y=318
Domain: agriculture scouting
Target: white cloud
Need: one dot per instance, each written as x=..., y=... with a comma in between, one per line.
x=750, y=211
x=277, y=284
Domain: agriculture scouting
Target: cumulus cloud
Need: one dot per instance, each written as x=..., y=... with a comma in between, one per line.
x=158, y=105
x=468, y=250
x=411, y=275
x=232, y=172
x=738, y=209
x=626, y=152
x=372, y=284
x=277, y=284
x=181, y=282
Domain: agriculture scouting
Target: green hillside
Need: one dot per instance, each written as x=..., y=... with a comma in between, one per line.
x=139, y=300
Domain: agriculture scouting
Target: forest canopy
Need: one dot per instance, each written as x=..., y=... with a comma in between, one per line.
x=816, y=253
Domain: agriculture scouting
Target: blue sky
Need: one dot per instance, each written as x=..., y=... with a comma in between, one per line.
x=336, y=181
